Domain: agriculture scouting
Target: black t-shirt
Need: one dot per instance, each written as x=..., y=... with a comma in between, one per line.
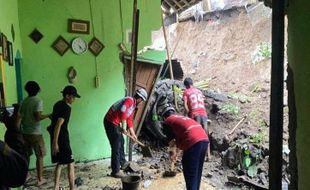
x=61, y=110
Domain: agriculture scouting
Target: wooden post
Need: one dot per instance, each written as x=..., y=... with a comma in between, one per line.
x=133, y=36
x=276, y=97
x=134, y=47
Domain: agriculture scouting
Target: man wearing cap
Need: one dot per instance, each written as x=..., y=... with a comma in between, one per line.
x=119, y=120
x=60, y=142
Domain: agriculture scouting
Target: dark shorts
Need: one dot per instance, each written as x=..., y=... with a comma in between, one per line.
x=36, y=143
x=203, y=120
x=64, y=156
x=13, y=167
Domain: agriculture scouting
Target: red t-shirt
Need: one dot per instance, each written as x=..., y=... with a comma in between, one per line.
x=195, y=102
x=186, y=130
x=122, y=110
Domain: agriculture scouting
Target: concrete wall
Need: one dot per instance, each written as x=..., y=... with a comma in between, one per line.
x=41, y=63
x=299, y=62
x=9, y=18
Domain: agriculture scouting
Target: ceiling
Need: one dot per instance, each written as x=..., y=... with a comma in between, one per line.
x=178, y=5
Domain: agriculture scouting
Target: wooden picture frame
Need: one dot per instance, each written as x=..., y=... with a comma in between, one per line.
x=61, y=45
x=95, y=46
x=4, y=44
x=78, y=26
x=10, y=53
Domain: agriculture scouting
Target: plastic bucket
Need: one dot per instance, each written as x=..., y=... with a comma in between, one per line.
x=131, y=182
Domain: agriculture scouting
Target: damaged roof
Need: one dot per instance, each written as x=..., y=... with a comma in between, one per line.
x=178, y=5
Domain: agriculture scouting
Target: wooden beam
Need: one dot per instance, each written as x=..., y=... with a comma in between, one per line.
x=171, y=6
x=186, y=3
x=177, y=3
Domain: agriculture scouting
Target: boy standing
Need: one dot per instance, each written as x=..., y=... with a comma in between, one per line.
x=60, y=142
x=31, y=115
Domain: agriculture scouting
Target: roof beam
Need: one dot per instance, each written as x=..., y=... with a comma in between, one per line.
x=178, y=4
x=171, y=6
x=186, y=3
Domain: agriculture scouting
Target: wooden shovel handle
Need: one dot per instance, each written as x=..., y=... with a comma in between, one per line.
x=136, y=141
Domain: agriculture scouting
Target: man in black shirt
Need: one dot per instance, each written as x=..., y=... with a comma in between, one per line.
x=60, y=142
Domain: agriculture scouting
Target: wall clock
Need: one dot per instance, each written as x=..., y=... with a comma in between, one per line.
x=79, y=45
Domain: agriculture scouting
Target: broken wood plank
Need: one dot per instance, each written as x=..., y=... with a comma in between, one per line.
x=231, y=132
x=247, y=182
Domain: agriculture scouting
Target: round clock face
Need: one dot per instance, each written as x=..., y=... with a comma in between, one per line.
x=79, y=45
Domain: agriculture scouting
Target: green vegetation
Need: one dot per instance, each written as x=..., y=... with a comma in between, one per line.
x=255, y=87
x=231, y=108
x=263, y=51
x=258, y=138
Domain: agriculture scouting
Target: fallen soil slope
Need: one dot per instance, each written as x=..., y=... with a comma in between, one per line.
x=220, y=49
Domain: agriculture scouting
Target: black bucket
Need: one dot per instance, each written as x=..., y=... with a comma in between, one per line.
x=131, y=182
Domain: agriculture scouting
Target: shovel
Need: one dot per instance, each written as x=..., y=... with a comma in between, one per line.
x=146, y=151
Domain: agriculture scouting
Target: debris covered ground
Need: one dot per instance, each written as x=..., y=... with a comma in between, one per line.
x=230, y=61
x=95, y=176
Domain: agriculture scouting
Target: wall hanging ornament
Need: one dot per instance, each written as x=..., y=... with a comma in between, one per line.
x=4, y=44
x=78, y=26
x=10, y=53
x=13, y=32
x=71, y=75
x=36, y=35
x=60, y=45
x=95, y=46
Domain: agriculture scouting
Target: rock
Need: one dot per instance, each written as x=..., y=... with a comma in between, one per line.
x=78, y=181
x=209, y=175
x=147, y=183
x=132, y=167
x=146, y=173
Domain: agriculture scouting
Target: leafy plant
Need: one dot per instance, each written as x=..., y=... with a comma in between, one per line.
x=252, y=170
x=262, y=123
x=263, y=51
x=231, y=108
x=257, y=138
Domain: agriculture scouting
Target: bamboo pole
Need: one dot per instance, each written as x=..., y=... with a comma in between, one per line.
x=169, y=58
x=133, y=37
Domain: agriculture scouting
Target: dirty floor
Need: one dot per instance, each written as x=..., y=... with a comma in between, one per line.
x=95, y=176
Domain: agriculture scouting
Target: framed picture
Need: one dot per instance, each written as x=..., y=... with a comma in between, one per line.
x=10, y=53
x=95, y=46
x=4, y=45
x=60, y=45
x=78, y=26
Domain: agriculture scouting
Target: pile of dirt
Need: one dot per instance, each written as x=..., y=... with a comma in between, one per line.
x=220, y=50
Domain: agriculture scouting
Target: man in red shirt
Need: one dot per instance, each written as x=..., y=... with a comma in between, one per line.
x=189, y=136
x=118, y=120
x=194, y=105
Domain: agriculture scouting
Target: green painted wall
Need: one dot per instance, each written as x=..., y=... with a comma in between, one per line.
x=299, y=59
x=9, y=17
x=43, y=64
